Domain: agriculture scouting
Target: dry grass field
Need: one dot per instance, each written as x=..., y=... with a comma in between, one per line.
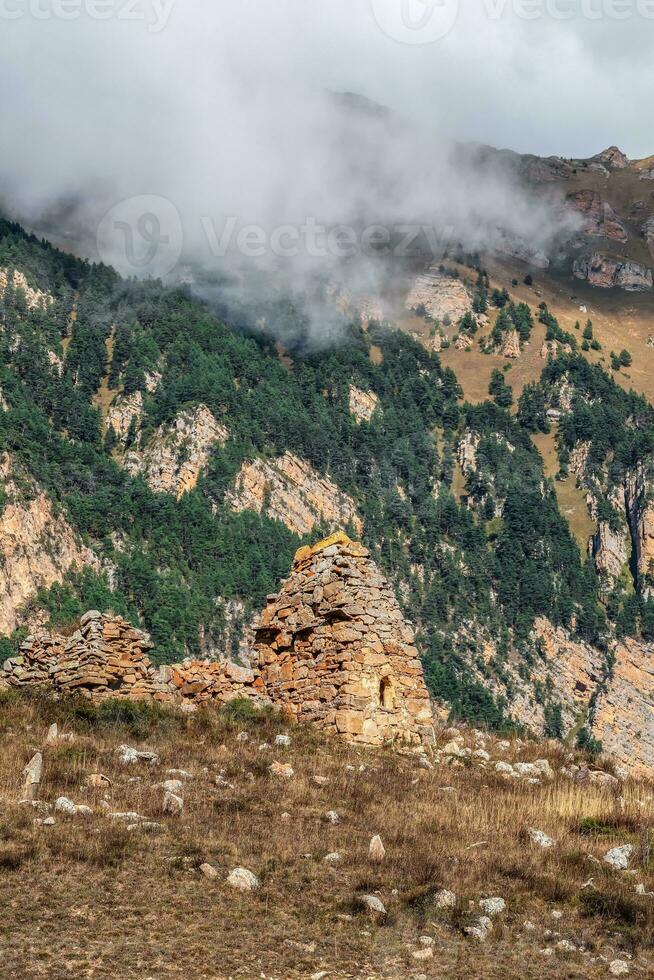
x=89, y=897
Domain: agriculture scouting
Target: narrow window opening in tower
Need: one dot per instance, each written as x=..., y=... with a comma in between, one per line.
x=386, y=695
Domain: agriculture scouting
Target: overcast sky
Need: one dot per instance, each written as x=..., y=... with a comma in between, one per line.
x=194, y=98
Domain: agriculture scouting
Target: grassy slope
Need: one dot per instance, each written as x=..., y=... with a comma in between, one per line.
x=88, y=898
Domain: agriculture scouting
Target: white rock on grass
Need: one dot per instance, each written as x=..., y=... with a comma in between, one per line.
x=64, y=805
x=283, y=740
x=243, y=880
x=179, y=774
x=172, y=785
x=281, y=769
x=376, y=850
x=128, y=755
x=333, y=858
x=423, y=954
x=481, y=929
x=504, y=767
x=332, y=817
x=618, y=968
x=129, y=816
x=540, y=838
x=172, y=803
x=373, y=905
x=492, y=906
x=619, y=857
x=208, y=871
x=445, y=899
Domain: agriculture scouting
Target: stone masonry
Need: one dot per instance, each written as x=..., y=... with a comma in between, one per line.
x=334, y=649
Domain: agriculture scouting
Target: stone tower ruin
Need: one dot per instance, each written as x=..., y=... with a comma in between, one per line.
x=334, y=649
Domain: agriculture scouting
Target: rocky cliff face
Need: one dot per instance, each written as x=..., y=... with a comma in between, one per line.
x=639, y=503
x=607, y=272
x=610, y=551
x=625, y=709
x=38, y=547
x=174, y=457
x=362, y=404
x=126, y=413
x=289, y=490
x=35, y=298
x=599, y=220
x=440, y=295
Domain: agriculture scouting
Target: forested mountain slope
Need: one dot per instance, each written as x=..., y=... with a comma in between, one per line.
x=185, y=460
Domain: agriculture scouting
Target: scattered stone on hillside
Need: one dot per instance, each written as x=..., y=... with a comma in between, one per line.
x=440, y=295
x=426, y=953
x=619, y=857
x=96, y=780
x=129, y=816
x=208, y=871
x=481, y=929
x=174, y=457
x=492, y=906
x=243, y=880
x=179, y=774
x=618, y=968
x=321, y=780
x=373, y=906
x=334, y=649
x=283, y=740
x=608, y=272
x=282, y=769
x=376, y=850
x=64, y=805
x=362, y=404
x=540, y=838
x=128, y=755
x=32, y=772
x=332, y=817
x=172, y=785
x=172, y=803
x=452, y=748
x=333, y=858
x=291, y=491
x=445, y=899
x=53, y=734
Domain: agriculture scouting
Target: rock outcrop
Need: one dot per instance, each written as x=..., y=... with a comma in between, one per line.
x=440, y=295
x=639, y=505
x=334, y=649
x=625, y=709
x=609, y=549
x=289, y=490
x=172, y=460
x=608, y=272
x=362, y=404
x=38, y=548
x=599, y=220
x=125, y=415
x=36, y=299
